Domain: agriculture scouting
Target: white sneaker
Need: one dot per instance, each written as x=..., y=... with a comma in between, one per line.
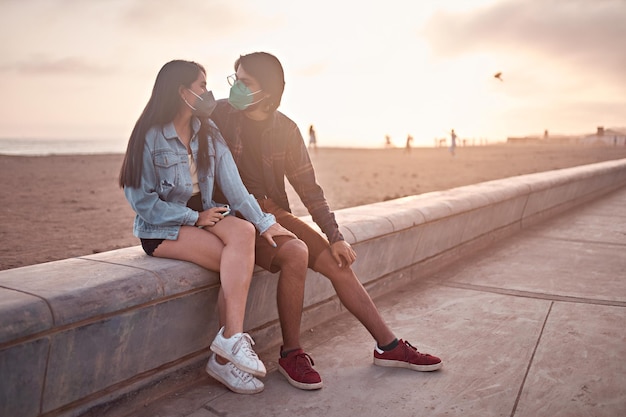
x=238, y=350
x=234, y=378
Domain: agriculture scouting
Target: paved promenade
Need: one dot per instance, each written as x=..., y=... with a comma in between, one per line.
x=534, y=326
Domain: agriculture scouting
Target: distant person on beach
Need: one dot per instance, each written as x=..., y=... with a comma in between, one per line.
x=312, y=139
x=452, y=142
x=267, y=147
x=174, y=155
x=407, y=147
x=388, y=143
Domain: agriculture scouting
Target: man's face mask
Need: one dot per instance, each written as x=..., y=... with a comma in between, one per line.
x=204, y=104
x=241, y=97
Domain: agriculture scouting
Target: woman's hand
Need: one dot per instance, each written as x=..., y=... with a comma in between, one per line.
x=211, y=216
x=276, y=230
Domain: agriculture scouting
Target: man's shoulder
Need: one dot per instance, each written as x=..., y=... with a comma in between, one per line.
x=284, y=123
x=283, y=118
x=224, y=117
x=222, y=102
x=222, y=109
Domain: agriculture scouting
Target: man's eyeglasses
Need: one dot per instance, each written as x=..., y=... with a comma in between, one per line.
x=231, y=79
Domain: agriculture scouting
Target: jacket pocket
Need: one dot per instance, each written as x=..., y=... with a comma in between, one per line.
x=167, y=168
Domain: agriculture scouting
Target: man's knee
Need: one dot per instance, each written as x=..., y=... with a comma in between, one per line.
x=326, y=265
x=293, y=254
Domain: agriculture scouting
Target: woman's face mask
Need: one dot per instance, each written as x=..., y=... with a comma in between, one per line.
x=204, y=105
x=241, y=97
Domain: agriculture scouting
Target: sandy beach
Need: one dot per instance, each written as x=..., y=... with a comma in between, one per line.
x=57, y=207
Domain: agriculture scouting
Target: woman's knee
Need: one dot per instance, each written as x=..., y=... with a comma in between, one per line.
x=242, y=231
x=247, y=230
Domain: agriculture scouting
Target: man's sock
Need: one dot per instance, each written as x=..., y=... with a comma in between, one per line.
x=284, y=353
x=390, y=346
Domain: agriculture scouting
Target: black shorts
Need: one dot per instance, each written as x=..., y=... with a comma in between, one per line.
x=150, y=245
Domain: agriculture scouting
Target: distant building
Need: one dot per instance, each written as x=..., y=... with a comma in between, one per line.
x=524, y=140
x=544, y=139
x=604, y=136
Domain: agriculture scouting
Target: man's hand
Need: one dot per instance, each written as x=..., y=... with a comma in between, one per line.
x=276, y=230
x=343, y=253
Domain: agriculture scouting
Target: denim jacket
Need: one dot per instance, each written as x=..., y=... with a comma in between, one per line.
x=160, y=202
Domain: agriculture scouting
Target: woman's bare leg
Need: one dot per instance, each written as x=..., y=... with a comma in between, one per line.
x=227, y=247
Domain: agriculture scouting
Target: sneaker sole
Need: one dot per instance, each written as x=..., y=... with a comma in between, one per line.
x=300, y=385
x=233, y=389
x=217, y=350
x=398, y=364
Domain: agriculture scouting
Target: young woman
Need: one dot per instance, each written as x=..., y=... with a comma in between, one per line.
x=174, y=159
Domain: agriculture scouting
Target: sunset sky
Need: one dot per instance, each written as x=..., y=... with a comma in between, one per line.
x=357, y=70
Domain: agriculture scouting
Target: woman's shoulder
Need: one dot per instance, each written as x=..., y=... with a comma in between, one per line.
x=212, y=124
x=219, y=143
x=157, y=136
x=161, y=132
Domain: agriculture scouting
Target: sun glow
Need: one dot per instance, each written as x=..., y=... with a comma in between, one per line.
x=357, y=72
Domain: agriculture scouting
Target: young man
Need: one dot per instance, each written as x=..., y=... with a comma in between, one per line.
x=267, y=147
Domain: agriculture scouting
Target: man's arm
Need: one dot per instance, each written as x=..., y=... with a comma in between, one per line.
x=300, y=173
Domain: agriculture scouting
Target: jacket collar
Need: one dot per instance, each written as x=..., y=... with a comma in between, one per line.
x=169, y=131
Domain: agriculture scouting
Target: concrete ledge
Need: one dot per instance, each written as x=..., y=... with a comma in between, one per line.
x=80, y=332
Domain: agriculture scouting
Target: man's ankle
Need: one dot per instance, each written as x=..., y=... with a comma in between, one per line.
x=390, y=346
x=285, y=352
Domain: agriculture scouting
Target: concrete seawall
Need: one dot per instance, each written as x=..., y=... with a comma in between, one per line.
x=80, y=332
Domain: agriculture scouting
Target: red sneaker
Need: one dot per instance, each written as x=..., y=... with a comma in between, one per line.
x=406, y=356
x=297, y=367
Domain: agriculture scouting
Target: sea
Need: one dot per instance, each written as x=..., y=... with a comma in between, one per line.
x=43, y=147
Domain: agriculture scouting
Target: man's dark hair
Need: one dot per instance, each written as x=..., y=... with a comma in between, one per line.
x=268, y=71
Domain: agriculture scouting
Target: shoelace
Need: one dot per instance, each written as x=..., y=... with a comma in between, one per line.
x=410, y=345
x=243, y=375
x=245, y=343
x=416, y=351
x=304, y=363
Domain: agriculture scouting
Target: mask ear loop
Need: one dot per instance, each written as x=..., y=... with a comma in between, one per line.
x=187, y=103
x=258, y=101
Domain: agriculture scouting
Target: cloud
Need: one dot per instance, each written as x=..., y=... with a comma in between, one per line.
x=196, y=19
x=40, y=65
x=589, y=35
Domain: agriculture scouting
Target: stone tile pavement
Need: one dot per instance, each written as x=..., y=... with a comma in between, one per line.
x=534, y=326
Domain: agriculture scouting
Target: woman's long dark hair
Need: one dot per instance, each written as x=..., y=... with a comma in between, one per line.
x=160, y=110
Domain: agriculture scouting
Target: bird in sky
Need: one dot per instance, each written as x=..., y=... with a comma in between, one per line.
x=498, y=75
